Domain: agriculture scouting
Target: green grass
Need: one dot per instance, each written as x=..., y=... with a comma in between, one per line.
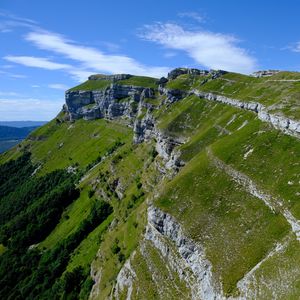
x=90, y=85
x=86, y=252
x=70, y=220
x=216, y=208
x=186, y=81
x=280, y=96
x=151, y=270
x=236, y=229
x=2, y=249
x=284, y=262
x=153, y=101
x=143, y=81
x=61, y=145
x=273, y=164
x=128, y=235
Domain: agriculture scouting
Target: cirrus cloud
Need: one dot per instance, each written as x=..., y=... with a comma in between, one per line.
x=84, y=60
x=38, y=62
x=209, y=49
x=91, y=58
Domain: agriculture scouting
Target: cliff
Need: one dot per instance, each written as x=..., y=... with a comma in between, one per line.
x=188, y=188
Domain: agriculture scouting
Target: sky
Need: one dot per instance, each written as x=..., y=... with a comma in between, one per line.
x=47, y=47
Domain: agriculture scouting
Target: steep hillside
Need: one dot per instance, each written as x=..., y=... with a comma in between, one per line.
x=185, y=187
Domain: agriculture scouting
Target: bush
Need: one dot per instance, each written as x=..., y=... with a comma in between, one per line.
x=91, y=193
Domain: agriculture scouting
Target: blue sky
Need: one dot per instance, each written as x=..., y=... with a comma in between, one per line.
x=50, y=46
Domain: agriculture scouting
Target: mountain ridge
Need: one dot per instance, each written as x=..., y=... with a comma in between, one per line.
x=201, y=171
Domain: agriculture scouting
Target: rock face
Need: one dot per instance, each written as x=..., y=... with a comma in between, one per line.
x=163, y=224
x=114, y=101
x=115, y=77
x=265, y=73
x=172, y=95
x=128, y=102
x=186, y=258
x=180, y=71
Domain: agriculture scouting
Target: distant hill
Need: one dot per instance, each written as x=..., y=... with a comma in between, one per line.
x=21, y=124
x=7, y=132
x=10, y=136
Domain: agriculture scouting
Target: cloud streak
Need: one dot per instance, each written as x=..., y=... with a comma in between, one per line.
x=37, y=62
x=210, y=50
x=58, y=86
x=295, y=48
x=91, y=58
x=84, y=60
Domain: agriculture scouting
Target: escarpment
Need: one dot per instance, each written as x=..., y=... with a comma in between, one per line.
x=183, y=187
x=132, y=102
x=112, y=102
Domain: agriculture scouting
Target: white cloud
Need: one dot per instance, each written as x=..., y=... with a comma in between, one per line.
x=8, y=22
x=87, y=60
x=38, y=62
x=211, y=50
x=9, y=94
x=91, y=58
x=170, y=54
x=58, y=86
x=296, y=47
x=18, y=109
x=44, y=63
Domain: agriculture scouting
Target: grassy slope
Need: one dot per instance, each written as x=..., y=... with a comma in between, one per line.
x=274, y=91
x=279, y=92
x=126, y=164
x=90, y=85
x=102, y=84
x=59, y=145
x=216, y=205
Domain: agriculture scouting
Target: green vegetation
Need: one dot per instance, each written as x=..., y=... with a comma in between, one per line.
x=140, y=81
x=91, y=85
x=38, y=205
x=74, y=197
x=215, y=206
x=186, y=81
x=280, y=92
x=60, y=145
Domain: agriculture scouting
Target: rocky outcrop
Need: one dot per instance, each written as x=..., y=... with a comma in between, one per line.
x=202, y=283
x=166, y=148
x=143, y=128
x=265, y=73
x=181, y=71
x=286, y=125
x=125, y=280
x=172, y=95
x=114, y=101
x=113, y=78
